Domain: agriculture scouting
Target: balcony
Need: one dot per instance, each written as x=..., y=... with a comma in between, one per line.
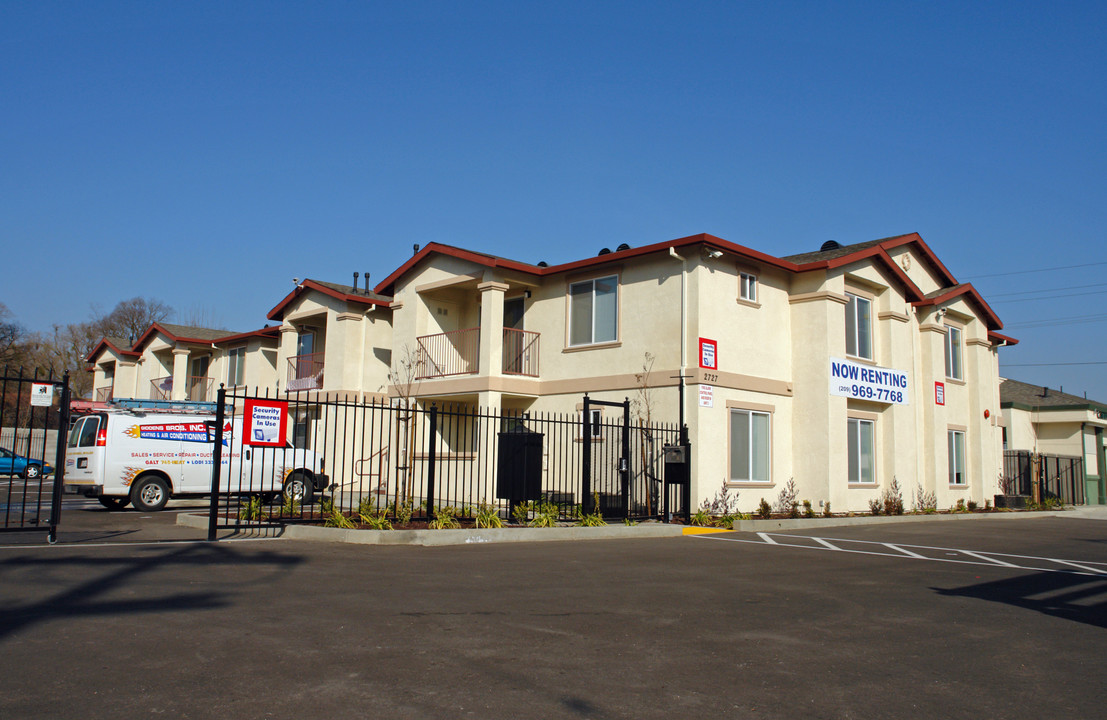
x=199, y=388
x=456, y=353
x=447, y=354
x=305, y=372
x=161, y=388
x=104, y=394
x=520, y=352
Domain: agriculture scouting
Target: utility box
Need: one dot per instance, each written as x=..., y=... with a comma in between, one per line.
x=519, y=467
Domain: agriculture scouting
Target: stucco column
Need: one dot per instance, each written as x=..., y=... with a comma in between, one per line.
x=491, y=351
x=180, y=374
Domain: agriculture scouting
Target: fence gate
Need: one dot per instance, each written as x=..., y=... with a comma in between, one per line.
x=35, y=417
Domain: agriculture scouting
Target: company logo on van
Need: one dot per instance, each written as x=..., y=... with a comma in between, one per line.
x=181, y=432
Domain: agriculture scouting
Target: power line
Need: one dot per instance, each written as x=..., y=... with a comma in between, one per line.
x=1007, y=365
x=1045, y=290
x=1070, y=320
x=1036, y=270
x=1050, y=297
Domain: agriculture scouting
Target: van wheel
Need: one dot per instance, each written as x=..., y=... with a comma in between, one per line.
x=150, y=494
x=114, y=503
x=32, y=472
x=299, y=487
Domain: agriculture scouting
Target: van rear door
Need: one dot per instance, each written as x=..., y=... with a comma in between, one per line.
x=84, y=459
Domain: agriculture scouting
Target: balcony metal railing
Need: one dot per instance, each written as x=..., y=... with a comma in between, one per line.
x=199, y=388
x=305, y=372
x=161, y=388
x=448, y=353
x=104, y=394
x=520, y=352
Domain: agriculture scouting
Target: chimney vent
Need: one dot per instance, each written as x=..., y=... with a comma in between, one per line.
x=366, y=282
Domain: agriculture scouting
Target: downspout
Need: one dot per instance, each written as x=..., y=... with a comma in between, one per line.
x=683, y=331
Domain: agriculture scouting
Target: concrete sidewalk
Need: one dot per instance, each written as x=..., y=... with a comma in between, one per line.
x=471, y=536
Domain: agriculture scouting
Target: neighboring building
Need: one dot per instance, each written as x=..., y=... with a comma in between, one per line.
x=841, y=369
x=114, y=366
x=1041, y=420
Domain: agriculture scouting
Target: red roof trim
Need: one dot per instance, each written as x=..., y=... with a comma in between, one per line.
x=267, y=332
x=385, y=286
x=100, y=346
x=996, y=337
x=157, y=327
x=278, y=311
x=966, y=289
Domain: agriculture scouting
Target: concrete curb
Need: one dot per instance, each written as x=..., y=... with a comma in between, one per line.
x=315, y=533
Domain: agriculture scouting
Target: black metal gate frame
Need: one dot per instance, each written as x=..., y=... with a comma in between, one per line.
x=21, y=523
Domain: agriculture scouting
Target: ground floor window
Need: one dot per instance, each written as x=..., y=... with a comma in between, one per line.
x=956, y=457
x=862, y=457
x=749, y=446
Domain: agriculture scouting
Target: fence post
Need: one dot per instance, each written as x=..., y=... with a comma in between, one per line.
x=624, y=462
x=686, y=489
x=432, y=456
x=586, y=460
x=216, y=461
x=59, y=460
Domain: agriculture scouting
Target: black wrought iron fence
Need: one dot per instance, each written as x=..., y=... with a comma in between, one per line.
x=382, y=457
x=1061, y=477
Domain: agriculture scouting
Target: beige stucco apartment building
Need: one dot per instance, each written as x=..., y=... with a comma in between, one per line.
x=839, y=369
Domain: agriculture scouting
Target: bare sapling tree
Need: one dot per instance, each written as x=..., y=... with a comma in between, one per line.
x=404, y=378
x=642, y=405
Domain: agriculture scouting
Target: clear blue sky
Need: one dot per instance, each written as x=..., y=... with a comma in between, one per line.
x=206, y=153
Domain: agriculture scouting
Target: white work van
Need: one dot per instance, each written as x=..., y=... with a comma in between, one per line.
x=145, y=458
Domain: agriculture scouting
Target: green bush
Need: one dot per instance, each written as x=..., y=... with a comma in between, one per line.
x=764, y=510
x=487, y=516
x=444, y=519
x=253, y=510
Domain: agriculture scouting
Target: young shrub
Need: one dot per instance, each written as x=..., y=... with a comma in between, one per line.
x=972, y=506
x=402, y=512
x=960, y=506
x=444, y=519
x=594, y=518
x=764, y=510
x=876, y=505
x=987, y=505
x=521, y=513
x=722, y=503
x=253, y=510
x=487, y=516
x=826, y=510
x=924, y=501
x=892, y=498
x=333, y=517
x=808, y=511
x=372, y=517
x=289, y=505
x=546, y=514
x=702, y=518
x=786, y=503
x=726, y=521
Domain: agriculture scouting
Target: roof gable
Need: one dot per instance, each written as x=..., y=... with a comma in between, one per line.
x=338, y=291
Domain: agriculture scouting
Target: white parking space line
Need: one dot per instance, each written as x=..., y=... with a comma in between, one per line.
x=955, y=555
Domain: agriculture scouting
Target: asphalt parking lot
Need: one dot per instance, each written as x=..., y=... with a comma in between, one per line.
x=128, y=616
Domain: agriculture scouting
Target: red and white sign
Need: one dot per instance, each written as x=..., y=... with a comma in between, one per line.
x=709, y=354
x=707, y=396
x=939, y=393
x=265, y=423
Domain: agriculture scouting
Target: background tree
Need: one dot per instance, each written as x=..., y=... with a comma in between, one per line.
x=12, y=336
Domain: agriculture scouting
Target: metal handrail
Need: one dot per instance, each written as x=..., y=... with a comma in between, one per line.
x=305, y=372
x=448, y=353
x=520, y=352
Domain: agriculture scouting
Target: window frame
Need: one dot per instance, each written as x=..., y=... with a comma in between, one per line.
x=570, y=319
x=747, y=287
x=751, y=445
x=236, y=366
x=853, y=301
x=850, y=449
x=956, y=460
x=954, y=352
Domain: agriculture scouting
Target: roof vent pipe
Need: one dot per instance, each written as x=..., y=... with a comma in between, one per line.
x=415, y=249
x=355, y=280
x=366, y=282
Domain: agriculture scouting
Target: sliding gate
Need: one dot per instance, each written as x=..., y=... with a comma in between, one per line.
x=35, y=417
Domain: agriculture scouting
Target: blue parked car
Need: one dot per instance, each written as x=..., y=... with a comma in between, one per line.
x=12, y=464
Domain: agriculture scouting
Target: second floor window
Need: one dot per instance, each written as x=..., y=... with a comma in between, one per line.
x=859, y=327
x=747, y=287
x=953, y=353
x=236, y=367
x=593, y=311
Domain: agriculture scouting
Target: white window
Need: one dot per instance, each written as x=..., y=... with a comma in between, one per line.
x=957, y=458
x=862, y=457
x=595, y=424
x=749, y=446
x=747, y=287
x=953, y=353
x=236, y=367
x=593, y=310
x=859, y=327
